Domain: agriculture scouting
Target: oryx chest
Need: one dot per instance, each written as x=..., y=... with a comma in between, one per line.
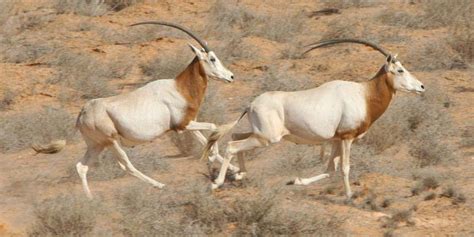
x=354, y=113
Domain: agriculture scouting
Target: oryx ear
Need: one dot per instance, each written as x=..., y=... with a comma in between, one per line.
x=199, y=53
x=389, y=58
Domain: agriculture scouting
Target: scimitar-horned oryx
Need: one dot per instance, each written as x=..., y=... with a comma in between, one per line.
x=338, y=111
x=146, y=113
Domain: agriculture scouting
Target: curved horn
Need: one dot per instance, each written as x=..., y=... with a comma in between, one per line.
x=337, y=41
x=184, y=29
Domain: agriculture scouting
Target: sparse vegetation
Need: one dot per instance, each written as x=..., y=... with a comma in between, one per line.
x=7, y=99
x=456, y=196
x=166, y=66
x=427, y=183
x=65, y=215
x=21, y=130
x=400, y=216
x=92, y=8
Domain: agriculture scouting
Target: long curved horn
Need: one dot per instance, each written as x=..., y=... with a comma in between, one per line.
x=184, y=29
x=337, y=41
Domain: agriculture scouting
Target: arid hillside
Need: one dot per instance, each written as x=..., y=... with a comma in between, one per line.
x=413, y=173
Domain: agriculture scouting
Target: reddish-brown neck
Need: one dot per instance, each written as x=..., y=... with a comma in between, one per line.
x=379, y=94
x=192, y=85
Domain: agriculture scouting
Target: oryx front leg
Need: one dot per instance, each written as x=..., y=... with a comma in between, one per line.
x=331, y=167
x=233, y=148
x=122, y=156
x=214, y=154
x=196, y=126
x=345, y=153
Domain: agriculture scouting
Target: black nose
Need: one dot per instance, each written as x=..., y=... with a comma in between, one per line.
x=422, y=87
x=232, y=77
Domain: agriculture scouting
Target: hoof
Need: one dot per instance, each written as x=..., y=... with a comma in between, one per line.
x=214, y=186
x=159, y=185
x=239, y=175
x=291, y=182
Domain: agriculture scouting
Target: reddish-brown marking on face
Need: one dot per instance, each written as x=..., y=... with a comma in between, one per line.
x=379, y=93
x=192, y=85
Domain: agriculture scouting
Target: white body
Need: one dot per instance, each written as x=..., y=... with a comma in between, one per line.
x=148, y=112
x=337, y=111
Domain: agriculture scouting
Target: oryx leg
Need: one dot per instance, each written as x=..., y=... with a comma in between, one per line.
x=122, y=156
x=93, y=151
x=331, y=167
x=233, y=148
x=240, y=155
x=214, y=151
x=196, y=126
x=345, y=154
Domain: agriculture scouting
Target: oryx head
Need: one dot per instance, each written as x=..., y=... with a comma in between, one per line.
x=208, y=59
x=402, y=79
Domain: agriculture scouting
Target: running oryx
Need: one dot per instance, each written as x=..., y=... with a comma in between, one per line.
x=148, y=112
x=336, y=111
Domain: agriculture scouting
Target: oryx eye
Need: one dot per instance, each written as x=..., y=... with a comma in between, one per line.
x=213, y=59
x=400, y=70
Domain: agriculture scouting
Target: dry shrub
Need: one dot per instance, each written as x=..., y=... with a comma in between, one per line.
x=400, y=216
x=430, y=196
x=21, y=130
x=296, y=159
x=263, y=215
x=7, y=99
x=147, y=213
x=230, y=20
x=351, y=3
x=428, y=181
x=206, y=212
x=85, y=74
x=433, y=55
x=356, y=27
x=453, y=193
x=283, y=78
x=462, y=39
x=436, y=13
x=65, y=215
x=166, y=66
x=92, y=7
x=20, y=50
x=117, y=5
x=186, y=143
x=420, y=122
x=81, y=7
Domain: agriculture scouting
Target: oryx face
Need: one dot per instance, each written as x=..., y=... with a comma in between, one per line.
x=212, y=65
x=403, y=80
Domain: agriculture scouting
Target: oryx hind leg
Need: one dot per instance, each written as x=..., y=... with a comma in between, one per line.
x=234, y=147
x=93, y=151
x=122, y=156
x=240, y=155
x=214, y=154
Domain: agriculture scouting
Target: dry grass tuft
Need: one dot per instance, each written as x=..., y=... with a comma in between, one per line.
x=351, y=3
x=21, y=130
x=420, y=122
x=86, y=75
x=400, y=216
x=166, y=66
x=7, y=99
x=92, y=7
x=229, y=20
x=65, y=216
x=434, y=55
x=429, y=182
x=454, y=194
